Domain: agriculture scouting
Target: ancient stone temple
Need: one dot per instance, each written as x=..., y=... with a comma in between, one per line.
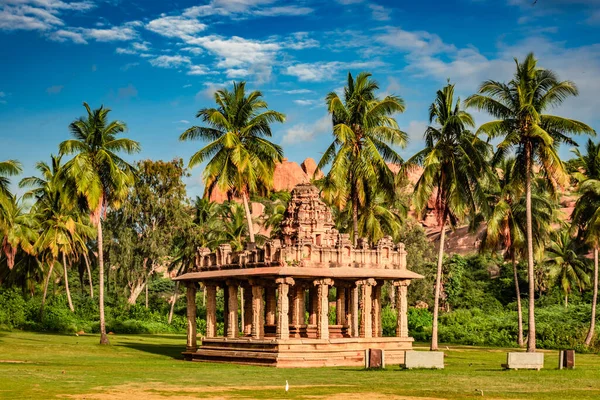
x=277, y=298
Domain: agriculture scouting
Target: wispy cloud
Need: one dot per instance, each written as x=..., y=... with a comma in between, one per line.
x=38, y=15
x=301, y=133
x=379, y=13
x=2, y=98
x=305, y=102
x=238, y=9
x=170, y=61
x=128, y=66
x=127, y=92
x=176, y=27
x=322, y=71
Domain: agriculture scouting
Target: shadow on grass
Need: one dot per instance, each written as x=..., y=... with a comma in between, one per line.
x=167, y=350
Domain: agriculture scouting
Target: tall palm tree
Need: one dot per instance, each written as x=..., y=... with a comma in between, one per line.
x=101, y=176
x=505, y=228
x=8, y=168
x=564, y=257
x=519, y=107
x=17, y=229
x=364, y=131
x=454, y=165
x=586, y=215
x=241, y=159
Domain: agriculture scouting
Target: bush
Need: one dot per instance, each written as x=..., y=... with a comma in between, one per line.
x=12, y=309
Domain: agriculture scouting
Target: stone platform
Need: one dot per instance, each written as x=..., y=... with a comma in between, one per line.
x=299, y=353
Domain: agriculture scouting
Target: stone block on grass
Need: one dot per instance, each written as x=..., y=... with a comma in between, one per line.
x=424, y=359
x=520, y=360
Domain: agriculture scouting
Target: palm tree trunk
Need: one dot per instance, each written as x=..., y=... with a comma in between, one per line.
x=519, y=309
x=69, y=300
x=147, y=283
x=248, y=217
x=590, y=335
x=46, y=288
x=355, y=216
x=530, y=271
x=89, y=272
x=103, y=336
x=566, y=301
x=438, y=284
x=173, y=301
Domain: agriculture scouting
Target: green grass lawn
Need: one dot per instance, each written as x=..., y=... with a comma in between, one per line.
x=41, y=366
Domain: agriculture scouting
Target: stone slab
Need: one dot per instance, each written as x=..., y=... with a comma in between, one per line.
x=375, y=358
x=424, y=359
x=520, y=360
x=566, y=359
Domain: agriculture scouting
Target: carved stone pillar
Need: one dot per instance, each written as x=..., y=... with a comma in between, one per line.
x=297, y=305
x=352, y=311
x=225, y=310
x=271, y=305
x=340, y=305
x=211, y=310
x=402, y=308
x=190, y=296
x=247, y=319
x=366, y=307
x=283, y=307
x=232, y=309
x=322, y=286
x=258, y=313
x=376, y=311
x=313, y=305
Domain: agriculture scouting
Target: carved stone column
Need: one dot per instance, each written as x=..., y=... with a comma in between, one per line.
x=283, y=307
x=297, y=305
x=247, y=320
x=313, y=306
x=402, y=308
x=340, y=305
x=190, y=296
x=258, y=313
x=232, y=309
x=211, y=310
x=376, y=311
x=322, y=286
x=271, y=305
x=225, y=309
x=352, y=311
x=366, y=307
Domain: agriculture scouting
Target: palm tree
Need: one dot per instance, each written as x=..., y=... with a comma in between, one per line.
x=379, y=218
x=17, y=229
x=242, y=160
x=364, y=131
x=586, y=215
x=564, y=257
x=506, y=228
x=8, y=168
x=101, y=176
x=454, y=164
x=519, y=108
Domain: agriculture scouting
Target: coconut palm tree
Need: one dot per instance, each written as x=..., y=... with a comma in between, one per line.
x=586, y=215
x=505, y=225
x=455, y=171
x=519, y=107
x=364, y=131
x=8, y=168
x=17, y=229
x=564, y=257
x=241, y=159
x=101, y=176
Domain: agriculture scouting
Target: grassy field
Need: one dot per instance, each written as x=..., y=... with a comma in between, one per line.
x=41, y=366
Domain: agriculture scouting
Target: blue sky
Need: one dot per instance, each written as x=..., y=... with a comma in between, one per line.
x=155, y=63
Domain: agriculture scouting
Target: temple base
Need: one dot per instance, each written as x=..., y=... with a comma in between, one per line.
x=299, y=353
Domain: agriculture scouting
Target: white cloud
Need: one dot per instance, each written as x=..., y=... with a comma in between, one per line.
x=283, y=10
x=244, y=8
x=209, y=90
x=42, y=15
x=198, y=70
x=379, y=13
x=305, y=102
x=321, y=71
x=348, y=2
x=298, y=91
x=122, y=50
x=115, y=33
x=236, y=51
x=302, y=133
x=236, y=73
x=187, y=85
x=170, y=61
x=128, y=66
x=62, y=35
x=176, y=27
x=413, y=41
x=194, y=50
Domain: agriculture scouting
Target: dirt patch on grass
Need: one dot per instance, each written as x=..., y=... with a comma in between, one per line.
x=159, y=391
x=370, y=396
x=14, y=362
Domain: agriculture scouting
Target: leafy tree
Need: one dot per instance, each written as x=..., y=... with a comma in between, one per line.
x=101, y=176
x=241, y=159
x=564, y=257
x=505, y=228
x=519, y=107
x=586, y=215
x=364, y=131
x=454, y=164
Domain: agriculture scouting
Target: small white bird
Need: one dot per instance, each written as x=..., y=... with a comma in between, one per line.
x=287, y=386
x=480, y=391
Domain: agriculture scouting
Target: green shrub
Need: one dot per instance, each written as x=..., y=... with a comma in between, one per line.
x=12, y=309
